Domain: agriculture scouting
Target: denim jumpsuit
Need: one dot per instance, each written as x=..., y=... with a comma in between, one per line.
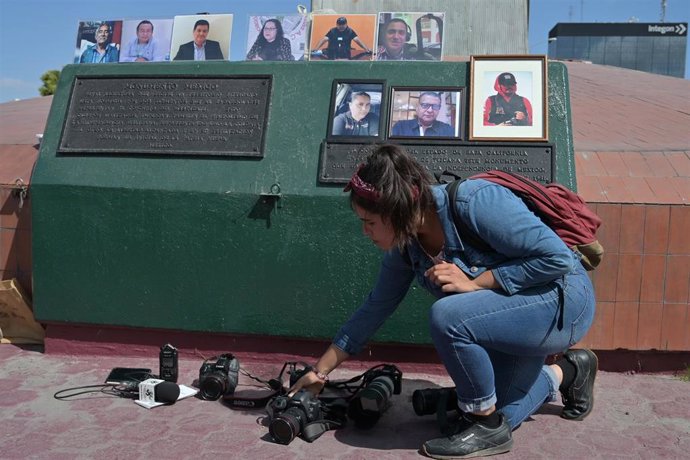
x=493, y=343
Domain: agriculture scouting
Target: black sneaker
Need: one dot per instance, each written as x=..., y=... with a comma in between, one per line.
x=474, y=440
x=578, y=399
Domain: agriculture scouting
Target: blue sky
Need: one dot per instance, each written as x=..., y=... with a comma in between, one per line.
x=39, y=35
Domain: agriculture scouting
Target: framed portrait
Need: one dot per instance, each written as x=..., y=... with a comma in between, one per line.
x=508, y=98
x=276, y=38
x=146, y=40
x=356, y=110
x=98, y=42
x=342, y=37
x=410, y=37
x=436, y=112
x=191, y=32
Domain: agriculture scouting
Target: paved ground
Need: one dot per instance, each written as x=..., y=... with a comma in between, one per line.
x=636, y=416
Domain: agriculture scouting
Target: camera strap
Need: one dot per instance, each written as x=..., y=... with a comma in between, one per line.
x=334, y=417
x=237, y=402
x=446, y=424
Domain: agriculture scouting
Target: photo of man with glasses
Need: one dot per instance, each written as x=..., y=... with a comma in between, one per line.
x=144, y=46
x=425, y=124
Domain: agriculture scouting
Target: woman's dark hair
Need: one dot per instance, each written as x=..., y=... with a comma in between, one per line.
x=403, y=189
x=261, y=40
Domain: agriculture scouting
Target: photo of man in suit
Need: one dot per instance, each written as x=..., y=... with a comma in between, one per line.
x=425, y=122
x=199, y=49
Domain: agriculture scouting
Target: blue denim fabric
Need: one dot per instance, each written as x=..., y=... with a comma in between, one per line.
x=492, y=342
x=494, y=345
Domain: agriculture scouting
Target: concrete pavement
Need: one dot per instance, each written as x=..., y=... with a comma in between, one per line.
x=636, y=416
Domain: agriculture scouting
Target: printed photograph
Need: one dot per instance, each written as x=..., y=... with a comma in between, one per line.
x=410, y=37
x=427, y=112
x=356, y=108
x=508, y=98
x=277, y=38
x=348, y=37
x=146, y=40
x=201, y=37
x=98, y=42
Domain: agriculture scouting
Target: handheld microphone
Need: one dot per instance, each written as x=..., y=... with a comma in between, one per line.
x=160, y=391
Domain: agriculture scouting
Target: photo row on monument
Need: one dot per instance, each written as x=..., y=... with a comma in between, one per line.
x=497, y=109
x=386, y=36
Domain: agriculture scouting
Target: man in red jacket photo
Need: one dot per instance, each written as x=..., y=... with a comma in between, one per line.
x=506, y=108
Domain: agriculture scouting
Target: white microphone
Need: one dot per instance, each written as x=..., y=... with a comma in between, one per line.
x=158, y=391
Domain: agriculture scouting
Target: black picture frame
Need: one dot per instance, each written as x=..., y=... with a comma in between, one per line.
x=341, y=93
x=404, y=102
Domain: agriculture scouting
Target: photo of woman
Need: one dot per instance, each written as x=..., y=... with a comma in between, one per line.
x=270, y=44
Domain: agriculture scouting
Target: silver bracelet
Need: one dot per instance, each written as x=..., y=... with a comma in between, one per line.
x=320, y=375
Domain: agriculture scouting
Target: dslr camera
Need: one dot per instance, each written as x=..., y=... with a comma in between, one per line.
x=379, y=384
x=289, y=415
x=218, y=376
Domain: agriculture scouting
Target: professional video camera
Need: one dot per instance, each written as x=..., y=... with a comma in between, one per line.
x=372, y=400
x=218, y=376
x=429, y=400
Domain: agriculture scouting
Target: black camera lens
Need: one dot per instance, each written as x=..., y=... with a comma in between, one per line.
x=426, y=402
x=286, y=426
x=212, y=386
x=368, y=405
x=218, y=378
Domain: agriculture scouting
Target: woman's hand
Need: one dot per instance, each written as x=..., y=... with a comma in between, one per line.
x=309, y=381
x=452, y=279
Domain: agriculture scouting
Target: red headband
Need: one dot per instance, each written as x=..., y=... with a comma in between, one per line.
x=361, y=188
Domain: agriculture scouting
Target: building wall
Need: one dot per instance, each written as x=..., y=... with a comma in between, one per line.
x=15, y=238
x=660, y=55
x=631, y=46
x=643, y=285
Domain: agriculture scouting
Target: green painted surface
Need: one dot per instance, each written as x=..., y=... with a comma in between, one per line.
x=187, y=243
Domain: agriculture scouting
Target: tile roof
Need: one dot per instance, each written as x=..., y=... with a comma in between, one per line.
x=20, y=121
x=16, y=162
x=631, y=132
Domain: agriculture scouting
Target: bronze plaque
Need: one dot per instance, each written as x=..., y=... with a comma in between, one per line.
x=536, y=161
x=182, y=115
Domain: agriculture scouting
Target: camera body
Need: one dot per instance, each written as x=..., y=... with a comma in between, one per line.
x=218, y=376
x=289, y=415
x=393, y=373
x=296, y=370
x=168, y=365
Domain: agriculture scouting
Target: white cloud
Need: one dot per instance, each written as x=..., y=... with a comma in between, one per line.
x=14, y=84
x=14, y=88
